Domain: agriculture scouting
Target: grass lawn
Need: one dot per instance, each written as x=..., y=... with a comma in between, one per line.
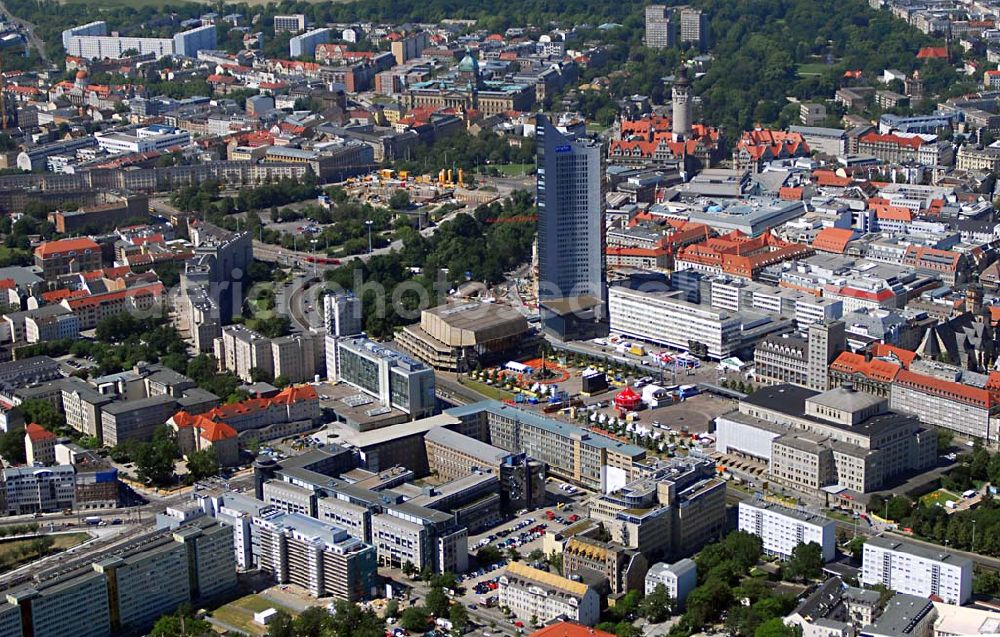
x=487, y=390
x=939, y=497
x=515, y=170
x=239, y=613
x=813, y=68
x=16, y=552
x=594, y=127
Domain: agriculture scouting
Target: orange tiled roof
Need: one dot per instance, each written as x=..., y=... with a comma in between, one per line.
x=905, y=356
x=946, y=389
x=833, y=240
x=51, y=248
x=929, y=52
x=216, y=431
x=38, y=433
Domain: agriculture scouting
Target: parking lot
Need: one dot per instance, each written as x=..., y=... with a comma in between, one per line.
x=525, y=534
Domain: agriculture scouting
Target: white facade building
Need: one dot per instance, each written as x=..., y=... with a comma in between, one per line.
x=532, y=593
x=679, y=578
x=908, y=568
x=143, y=140
x=782, y=529
x=664, y=318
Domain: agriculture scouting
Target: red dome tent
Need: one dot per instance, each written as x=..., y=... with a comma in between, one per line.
x=628, y=400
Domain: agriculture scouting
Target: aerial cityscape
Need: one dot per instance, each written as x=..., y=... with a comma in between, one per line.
x=511, y=319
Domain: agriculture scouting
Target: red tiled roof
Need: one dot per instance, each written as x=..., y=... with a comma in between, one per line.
x=890, y=138
x=877, y=370
x=156, y=289
x=569, y=629
x=54, y=296
x=929, y=52
x=842, y=290
x=945, y=389
x=216, y=431
x=883, y=350
x=50, y=248
x=38, y=433
x=833, y=240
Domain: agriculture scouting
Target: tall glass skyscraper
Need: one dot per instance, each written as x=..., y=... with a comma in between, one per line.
x=572, y=283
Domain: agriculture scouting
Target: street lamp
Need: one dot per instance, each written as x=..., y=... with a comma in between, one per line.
x=369, y=223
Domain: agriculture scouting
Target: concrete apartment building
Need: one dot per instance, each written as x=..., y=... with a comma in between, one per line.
x=424, y=537
x=392, y=379
x=694, y=27
x=915, y=570
x=126, y=588
x=409, y=46
x=296, y=357
x=578, y=455
x=666, y=318
x=659, y=29
x=294, y=23
x=811, y=440
x=56, y=258
x=135, y=419
x=27, y=490
x=669, y=512
x=304, y=45
x=318, y=556
x=781, y=529
x=91, y=41
x=679, y=578
x=971, y=411
x=241, y=350
x=532, y=593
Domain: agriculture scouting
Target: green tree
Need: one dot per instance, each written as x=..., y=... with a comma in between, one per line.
x=312, y=622
x=203, y=464
x=281, y=381
x=181, y=624
x=437, y=602
x=350, y=620
x=901, y=506
x=155, y=460
x=281, y=625
x=805, y=563
x=399, y=200
x=459, y=618
x=409, y=569
x=776, y=627
x=43, y=413
x=392, y=608
x=657, y=606
x=415, y=619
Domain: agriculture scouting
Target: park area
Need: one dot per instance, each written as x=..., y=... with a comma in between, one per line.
x=14, y=553
x=941, y=498
x=238, y=614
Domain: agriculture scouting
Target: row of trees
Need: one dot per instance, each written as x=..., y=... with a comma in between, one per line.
x=976, y=530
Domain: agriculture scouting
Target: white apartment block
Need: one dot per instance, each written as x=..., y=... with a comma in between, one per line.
x=143, y=140
x=532, y=593
x=915, y=570
x=664, y=318
x=679, y=578
x=782, y=529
